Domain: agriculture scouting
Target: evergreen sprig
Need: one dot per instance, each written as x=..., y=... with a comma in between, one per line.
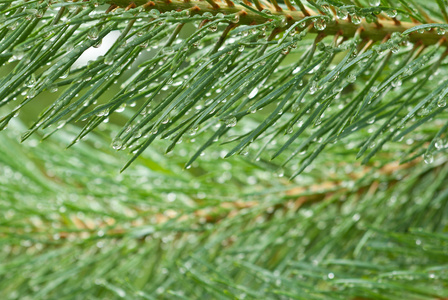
x=260, y=77
x=220, y=230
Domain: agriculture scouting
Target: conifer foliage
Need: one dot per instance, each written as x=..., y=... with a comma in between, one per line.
x=313, y=74
x=234, y=92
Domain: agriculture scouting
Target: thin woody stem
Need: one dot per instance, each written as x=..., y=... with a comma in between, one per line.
x=373, y=31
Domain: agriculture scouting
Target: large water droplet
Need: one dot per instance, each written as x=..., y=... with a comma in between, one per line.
x=342, y=14
x=428, y=158
x=356, y=20
x=93, y=33
x=231, y=122
x=32, y=81
x=438, y=143
x=253, y=93
x=391, y=13
x=320, y=24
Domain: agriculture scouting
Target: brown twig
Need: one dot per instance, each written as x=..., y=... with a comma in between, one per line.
x=371, y=30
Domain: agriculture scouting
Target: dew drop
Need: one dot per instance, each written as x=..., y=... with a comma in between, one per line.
x=320, y=24
x=438, y=143
x=93, y=33
x=356, y=20
x=285, y=50
x=168, y=50
x=31, y=93
x=65, y=74
x=374, y=2
x=441, y=102
x=342, y=14
x=351, y=78
x=231, y=122
x=253, y=93
x=117, y=145
x=428, y=158
x=32, y=81
x=391, y=13
x=40, y=13
x=53, y=88
x=313, y=88
x=371, y=120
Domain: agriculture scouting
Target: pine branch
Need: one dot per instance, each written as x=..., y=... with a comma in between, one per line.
x=211, y=70
x=326, y=24
x=81, y=230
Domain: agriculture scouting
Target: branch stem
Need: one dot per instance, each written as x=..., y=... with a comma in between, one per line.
x=373, y=31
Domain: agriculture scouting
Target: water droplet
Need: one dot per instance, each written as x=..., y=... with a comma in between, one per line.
x=155, y=13
x=285, y=51
x=102, y=113
x=374, y=2
x=313, y=88
x=441, y=31
x=31, y=93
x=109, y=59
x=284, y=22
x=65, y=74
x=193, y=130
x=253, y=93
x=441, y=102
x=438, y=143
x=428, y=158
x=93, y=33
x=408, y=71
x=342, y=14
x=40, y=13
x=117, y=145
x=351, y=78
x=394, y=49
x=32, y=81
x=13, y=26
x=18, y=54
x=320, y=24
x=208, y=15
x=336, y=76
x=397, y=83
x=391, y=13
x=53, y=88
x=231, y=122
x=244, y=151
x=356, y=20
x=371, y=120
x=168, y=50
